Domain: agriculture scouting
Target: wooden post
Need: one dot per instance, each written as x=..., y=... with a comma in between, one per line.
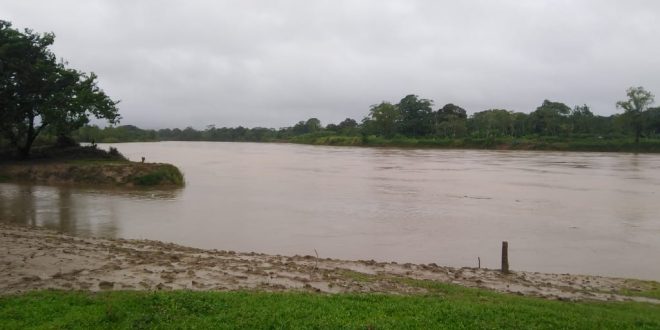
x=505, y=257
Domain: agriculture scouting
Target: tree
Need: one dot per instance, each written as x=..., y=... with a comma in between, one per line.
x=384, y=119
x=582, y=119
x=493, y=122
x=450, y=111
x=635, y=106
x=312, y=125
x=450, y=121
x=38, y=92
x=652, y=121
x=550, y=118
x=347, y=124
x=416, y=115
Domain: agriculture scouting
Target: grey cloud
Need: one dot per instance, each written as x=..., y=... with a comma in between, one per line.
x=272, y=63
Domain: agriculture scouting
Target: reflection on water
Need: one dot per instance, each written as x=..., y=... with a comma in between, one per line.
x=87, y=212
x=594, y=213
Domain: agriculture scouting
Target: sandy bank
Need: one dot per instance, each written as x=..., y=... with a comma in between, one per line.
x=35, y=258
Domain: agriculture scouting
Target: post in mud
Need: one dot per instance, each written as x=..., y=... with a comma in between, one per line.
x=505, y=257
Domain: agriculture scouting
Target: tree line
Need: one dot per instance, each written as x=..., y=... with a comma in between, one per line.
x=414, y=117
x=43, y=100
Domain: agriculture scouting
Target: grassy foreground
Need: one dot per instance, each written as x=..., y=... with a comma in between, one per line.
x=448, y=306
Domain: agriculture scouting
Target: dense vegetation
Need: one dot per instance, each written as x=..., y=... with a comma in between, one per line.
x=44, y=102
x=413, y=122
x=448, y=307
x=39, y=94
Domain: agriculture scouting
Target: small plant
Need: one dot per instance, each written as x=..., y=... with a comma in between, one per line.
x=114, y=152
x=164, y=174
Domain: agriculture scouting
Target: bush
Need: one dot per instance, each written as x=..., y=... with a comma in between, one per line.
x=164, y=174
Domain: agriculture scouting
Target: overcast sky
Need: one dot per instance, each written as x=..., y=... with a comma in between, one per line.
x=273, y=63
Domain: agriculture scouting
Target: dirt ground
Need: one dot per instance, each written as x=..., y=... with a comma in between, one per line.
x=36, y=258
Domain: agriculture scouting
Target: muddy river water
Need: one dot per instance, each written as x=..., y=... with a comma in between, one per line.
x=591, y=213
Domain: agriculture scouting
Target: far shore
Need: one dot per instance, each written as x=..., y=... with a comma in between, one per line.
x=36, y=258
x=650, y=146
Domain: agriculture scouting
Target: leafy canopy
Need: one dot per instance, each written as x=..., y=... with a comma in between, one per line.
x=39, y=92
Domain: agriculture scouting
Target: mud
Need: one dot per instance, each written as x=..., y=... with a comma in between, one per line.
x=35, y=259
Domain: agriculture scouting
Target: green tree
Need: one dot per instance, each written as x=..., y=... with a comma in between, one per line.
x=635, y=106
x=37, y=91
x=384, y=119
x=313, y=125
x=520, y=124
x=416, y=115
x=550, y=118
x=450, y=121
x=348, y=125
x=450, y=111
x=652, y=121
x=493, y=122
x=582, y=119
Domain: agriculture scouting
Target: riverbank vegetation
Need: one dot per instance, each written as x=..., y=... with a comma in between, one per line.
x=42, y=102
x=448, y=306
x=412, y=122
x=39, y=94
x=46, y=103
x=88, y=166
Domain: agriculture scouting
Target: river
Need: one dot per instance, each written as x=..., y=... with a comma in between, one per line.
x=590, y=213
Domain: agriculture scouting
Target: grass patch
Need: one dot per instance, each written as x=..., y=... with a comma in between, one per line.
x=576, y=143
x=96, y=162
x=457, y=308
x=357, y=276
x=639, y=288
x=163, y=174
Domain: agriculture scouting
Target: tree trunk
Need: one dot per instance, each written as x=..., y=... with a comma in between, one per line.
x=23, y=153
x=24, y=150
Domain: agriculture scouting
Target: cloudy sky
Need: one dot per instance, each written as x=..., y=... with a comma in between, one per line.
x=272, y=63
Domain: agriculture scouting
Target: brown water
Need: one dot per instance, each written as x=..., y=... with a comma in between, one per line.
x=594, y=213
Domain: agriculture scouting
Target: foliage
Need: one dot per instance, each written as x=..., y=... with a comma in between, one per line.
x=416, y=116
x=635, y=108
x=413, y=120
x=384, y=118
x=38, y=92
x=494, y=122
x=163, y=174
x=550, y=118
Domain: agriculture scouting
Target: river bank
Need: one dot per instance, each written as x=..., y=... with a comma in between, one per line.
x=108, y=173
x=36, y=259
x=88, y=166
x=590, y=144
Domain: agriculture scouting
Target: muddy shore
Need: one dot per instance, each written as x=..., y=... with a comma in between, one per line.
x=36, y=258
x=111, y=174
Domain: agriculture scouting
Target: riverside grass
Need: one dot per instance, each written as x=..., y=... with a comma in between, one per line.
x=588, y=143
x=447, y=306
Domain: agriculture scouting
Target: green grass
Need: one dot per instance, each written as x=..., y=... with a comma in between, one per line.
x=446, y=307
x=164, y=174
x=581, y=143
x=648, y=289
